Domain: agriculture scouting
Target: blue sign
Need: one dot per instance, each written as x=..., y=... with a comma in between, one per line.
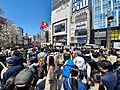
x=78, y=5
x=81, y=41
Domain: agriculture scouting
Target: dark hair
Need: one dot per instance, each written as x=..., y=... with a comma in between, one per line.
x=51, y=61
x=33, y=49
x=42, y=49
x=95, y=54
x=74, y=84
x=67, y=49
x=103, y=55
x=16, y=53
x=74, y=72
x=66, y=56
x=96, y=76
x=105, y=64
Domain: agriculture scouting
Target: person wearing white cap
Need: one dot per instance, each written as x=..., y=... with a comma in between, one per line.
x=79, y=61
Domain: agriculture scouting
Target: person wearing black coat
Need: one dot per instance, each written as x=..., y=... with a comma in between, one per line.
x=116, y=68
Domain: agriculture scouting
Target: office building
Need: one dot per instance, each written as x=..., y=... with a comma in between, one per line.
x=100, y=10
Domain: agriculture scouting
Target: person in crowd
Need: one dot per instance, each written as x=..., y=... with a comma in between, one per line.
x=108, y=79
x=116, y=69
x=41, y=54
x=102, y=57
x=96, y=79
x=67, y=66
x=18, y=57
x=79, y=61
x=66, y=51
x=51, y=81
x=73, y=82
x=13, y=69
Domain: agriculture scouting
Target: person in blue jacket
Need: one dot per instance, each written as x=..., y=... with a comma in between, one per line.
x=73, y=83
x=67, y=68
x=108, y=78
x=13, y=69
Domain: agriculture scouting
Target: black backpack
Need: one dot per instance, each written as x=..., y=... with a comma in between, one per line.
x=24, y=77
x=9, y=85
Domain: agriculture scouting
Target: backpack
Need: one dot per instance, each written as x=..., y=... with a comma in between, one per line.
x=24, y=77
x=9, y=85
x=40, y=72
x=116, y=70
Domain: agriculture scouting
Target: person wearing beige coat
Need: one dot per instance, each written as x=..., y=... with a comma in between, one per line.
x=51, y=81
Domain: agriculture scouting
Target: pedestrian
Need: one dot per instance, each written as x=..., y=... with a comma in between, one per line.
x=116, y=70
x=67, y=66
x=13, y=69
x=73, y=82
x=80, y=63
x=51, y=81
x=108, y=79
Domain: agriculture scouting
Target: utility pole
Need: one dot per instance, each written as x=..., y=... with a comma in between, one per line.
x=109, y=21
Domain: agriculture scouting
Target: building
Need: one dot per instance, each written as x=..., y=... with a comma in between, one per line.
x=44, y=35
x=100, y=9
x=71, y=21
x=61, y=21
x=81, y=21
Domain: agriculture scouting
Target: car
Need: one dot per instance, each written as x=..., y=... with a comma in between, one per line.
x=91, y=46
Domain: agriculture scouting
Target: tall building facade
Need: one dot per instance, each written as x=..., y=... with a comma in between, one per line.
x=81, y=21
x=100, y=9
x=60, y=21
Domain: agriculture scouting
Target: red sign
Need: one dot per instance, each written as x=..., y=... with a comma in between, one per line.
x=44, y=24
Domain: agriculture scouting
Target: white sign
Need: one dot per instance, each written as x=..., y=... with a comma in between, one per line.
x=116, y=45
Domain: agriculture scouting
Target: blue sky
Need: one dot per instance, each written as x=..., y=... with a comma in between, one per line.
x=27, y=13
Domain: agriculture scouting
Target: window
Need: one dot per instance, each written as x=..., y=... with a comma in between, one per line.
x=80, y=32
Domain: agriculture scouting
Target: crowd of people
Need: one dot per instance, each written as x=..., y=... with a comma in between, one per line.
x=51, y=68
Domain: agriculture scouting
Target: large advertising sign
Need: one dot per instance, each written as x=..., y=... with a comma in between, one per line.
x=60, y=26
x=78, y=5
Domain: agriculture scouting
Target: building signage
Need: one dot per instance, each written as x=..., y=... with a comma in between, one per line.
x=63, y=7
x=81, y=25
x=78, y=5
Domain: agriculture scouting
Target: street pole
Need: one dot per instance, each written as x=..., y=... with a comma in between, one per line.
x=109, y=21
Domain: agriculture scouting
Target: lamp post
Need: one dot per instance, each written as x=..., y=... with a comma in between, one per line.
x=109, y=21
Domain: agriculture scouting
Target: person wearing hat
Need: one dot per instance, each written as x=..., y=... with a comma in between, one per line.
x=116, y=68
x=79, y=61
x=108, y=78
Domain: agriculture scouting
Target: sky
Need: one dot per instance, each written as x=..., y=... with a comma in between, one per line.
x=27, y=13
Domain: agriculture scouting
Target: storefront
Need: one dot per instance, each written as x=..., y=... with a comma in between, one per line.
x=100, y=36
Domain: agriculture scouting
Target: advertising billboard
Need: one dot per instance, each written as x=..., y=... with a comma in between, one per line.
x=60, y=26
x=78, y=5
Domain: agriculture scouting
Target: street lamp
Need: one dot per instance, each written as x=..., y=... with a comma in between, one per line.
x=109, y=21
